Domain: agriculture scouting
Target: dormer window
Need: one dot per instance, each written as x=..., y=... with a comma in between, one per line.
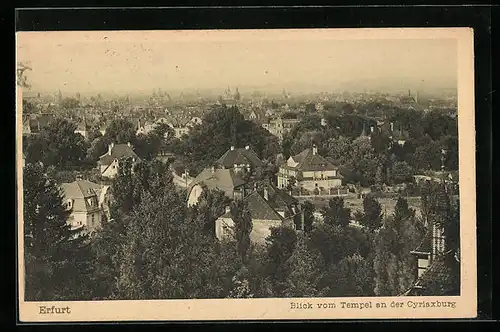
x=90, y=201
x=69, y=204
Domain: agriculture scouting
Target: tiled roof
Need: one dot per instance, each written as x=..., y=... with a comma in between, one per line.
x=308, y=161
x=260, y=209
x=424, y=246
x=223, y=179
x=442, y=277
x=79, y=191
x=118, y=151
x=240, y=156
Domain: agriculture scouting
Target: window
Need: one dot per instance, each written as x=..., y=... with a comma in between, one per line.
x=93, y=219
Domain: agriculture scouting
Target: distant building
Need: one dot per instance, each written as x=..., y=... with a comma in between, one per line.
x=144, y=127
x=180, y=124
x=279, y=127
x=109, y=163
x=216, y=178
x=268, y=207
x=88, y=203
x=310, y=170
x=83, y=128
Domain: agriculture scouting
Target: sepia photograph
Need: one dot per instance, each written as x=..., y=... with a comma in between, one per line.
x=253, y=174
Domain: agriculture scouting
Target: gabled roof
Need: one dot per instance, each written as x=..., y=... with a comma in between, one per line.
x=259, y=208
x=309, y=161
x=240, y=156
x=442, y=277
x=278, y=198
x=224, y=179
x=118, y=151
x=79, y=191
x=425, y=247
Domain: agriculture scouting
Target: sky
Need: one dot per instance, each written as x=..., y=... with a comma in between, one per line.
x=307, y=61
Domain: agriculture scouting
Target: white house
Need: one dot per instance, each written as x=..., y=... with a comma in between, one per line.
x=88, y=203
x=110, y=162
x=269, y=207
x=310, y=170
x=213, y=178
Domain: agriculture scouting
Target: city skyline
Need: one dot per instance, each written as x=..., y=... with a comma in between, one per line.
x=175, y=61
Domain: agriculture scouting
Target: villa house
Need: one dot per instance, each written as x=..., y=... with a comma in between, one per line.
x=240, y=159
x=216, y=178
x=268, y=207
x=311, y=172
x=109, y=163
x=88, y=203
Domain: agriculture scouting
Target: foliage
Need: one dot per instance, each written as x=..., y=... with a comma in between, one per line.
x=372, y=213
x=57, y=144
x=242, y=227
x=222, y=128
x=56, y=262
x=335, y=213
x=393, y=262
x=121, y=131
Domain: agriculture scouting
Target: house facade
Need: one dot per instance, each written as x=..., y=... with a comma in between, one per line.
x=211, y=178
x=310, y=171
x=87, y=202
x=240, y=159
x=109, y=163
x=268, y=208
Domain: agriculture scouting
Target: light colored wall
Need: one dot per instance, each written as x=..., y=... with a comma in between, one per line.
x=194, y=194
x=111, y=171
x=261, y=228
x=79, y=218
x=327, y=184
x=97, y=220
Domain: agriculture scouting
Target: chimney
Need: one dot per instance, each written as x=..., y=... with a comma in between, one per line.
x=392, y=126
x=247, y=147
x=110, y=148
x=228, y=209
x=371, y=129
x=315, y=149
x=266, y=194
x=129, y=145
x=232, y=147
x=213, y=169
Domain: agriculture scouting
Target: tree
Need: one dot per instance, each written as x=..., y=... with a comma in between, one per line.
x=55, y=259
x=280, y=245
x=167, y=255
x=211, y=205
x=58, y=144
x=336, y=213
x=394, y=264
x=222, y=128
x=372, y=213
x=401, y=172
x=308, y=210
x=353, y=276
x=303, y=271
x=121, y=131
x=21, y=79
x=242, y=227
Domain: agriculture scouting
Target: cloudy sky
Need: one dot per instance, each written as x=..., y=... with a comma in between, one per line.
x=297, y=61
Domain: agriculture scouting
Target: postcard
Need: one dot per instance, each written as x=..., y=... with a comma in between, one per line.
x=220, y=175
